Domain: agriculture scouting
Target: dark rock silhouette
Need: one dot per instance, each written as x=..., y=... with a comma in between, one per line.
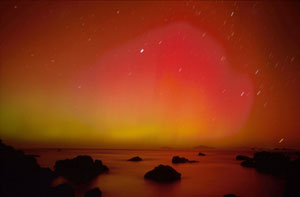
x=201, y=154
x=177, y=159
x=242, y=157
x=292, y=187
x=63, y=190
x=137, y=158
x=20, y=174
x=80, y=169
x=271, y=163
x=249, y=163
x=34, y=155
x=163, y=173
x=96, y=192
x=278, y=164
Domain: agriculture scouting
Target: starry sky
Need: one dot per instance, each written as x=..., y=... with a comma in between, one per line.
x=149, y=74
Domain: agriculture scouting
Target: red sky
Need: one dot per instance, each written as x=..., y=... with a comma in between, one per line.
x=150, y=74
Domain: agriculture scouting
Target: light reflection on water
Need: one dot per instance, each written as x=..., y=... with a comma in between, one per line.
x=216, y=174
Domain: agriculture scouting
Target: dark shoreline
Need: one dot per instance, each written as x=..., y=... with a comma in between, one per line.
x=51, y=190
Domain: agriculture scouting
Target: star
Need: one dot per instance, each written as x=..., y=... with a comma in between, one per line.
x=281, y=140
x=258, y=93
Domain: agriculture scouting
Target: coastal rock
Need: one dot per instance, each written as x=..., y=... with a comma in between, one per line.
x=80, y=169
x=278, y=164
x=271, y=163
x=137, y=158
x=293, y=179
x=201, y=154
x=249, y=163
x=163, y=173
x=96, y=192
x=177, y=159
x=242, y=157
x=20, y=174
x=63, y=190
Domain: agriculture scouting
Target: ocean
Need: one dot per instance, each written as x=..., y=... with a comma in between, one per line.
x=215, y=174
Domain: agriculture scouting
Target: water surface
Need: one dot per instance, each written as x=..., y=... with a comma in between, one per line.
x=216, y=174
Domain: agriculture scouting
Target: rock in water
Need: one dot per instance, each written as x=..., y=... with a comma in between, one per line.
x=272, y=163
x=177, y=159
x=249, y=163
x=201, y=154
x=292, y=187
x=163, y=173
x=137, y=158
x=80, y=169
x=63, y=190
x=96, y=192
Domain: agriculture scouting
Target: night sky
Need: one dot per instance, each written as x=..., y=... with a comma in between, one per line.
x=150, y=74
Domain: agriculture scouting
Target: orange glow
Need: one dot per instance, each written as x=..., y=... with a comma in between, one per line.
x=149, y=74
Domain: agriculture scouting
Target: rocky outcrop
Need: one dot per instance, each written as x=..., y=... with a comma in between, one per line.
x=20, y=174
x=63, y=190
x=293, y=179
x=273, y=163
x=201, y=154
x=177, y=159
x=96, y=192
x=278, y=164
x=80, y=169
x=163, y=173
x=137, y=158
x=248, y=163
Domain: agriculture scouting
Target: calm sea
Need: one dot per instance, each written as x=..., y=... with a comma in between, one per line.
x=216, y=174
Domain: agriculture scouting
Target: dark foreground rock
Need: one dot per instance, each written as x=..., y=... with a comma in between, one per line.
x=279, y=165
x=201, y=154
x=137, y=158
x=96, y=192
x=273, y=163
x=20, y=174
x=249, y=163
x=293, y=179
x=80, y=169
x=177, y=159
x=242, y=157
x=63, y=190
x=163, y=173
